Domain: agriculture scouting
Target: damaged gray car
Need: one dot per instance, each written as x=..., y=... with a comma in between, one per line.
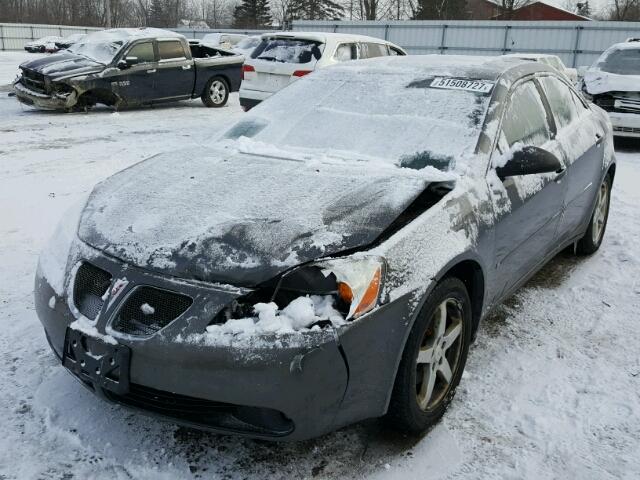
x=330, y=258
x=125, y=67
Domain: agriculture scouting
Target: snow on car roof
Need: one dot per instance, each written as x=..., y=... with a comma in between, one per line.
x=122, y=34
x=326, y=36
x=488, y=68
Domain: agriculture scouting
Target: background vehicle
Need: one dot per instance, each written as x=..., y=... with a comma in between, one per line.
x=70, y=40
x=40, y=45
x=125, y=67
x=613, y=83
x=247, y=45
x=551, y=60
x=222, y=40
x=371, y=230
x=283, y=57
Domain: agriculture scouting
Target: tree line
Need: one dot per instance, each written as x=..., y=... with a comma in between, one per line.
x=259, y=14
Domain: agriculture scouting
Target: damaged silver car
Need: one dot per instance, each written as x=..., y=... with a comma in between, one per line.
x=330, y=259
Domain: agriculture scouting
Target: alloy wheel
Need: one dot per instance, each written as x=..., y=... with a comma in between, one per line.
x=600, y=213
x=439, y=354
x=217, y=92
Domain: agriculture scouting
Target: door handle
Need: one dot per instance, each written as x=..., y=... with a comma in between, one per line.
x=599, y=138
x=153, y=70
x=186, y=67
x=560, y=174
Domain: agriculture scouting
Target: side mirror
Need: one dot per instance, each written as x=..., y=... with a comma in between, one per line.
x=127, y=62
x=530, y=160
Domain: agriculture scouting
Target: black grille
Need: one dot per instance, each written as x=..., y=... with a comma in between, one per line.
x=206, y=413
x=148, y=309
x=90, y=285
x=33, y=81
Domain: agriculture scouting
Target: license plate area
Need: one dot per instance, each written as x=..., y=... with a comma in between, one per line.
x=97, y=362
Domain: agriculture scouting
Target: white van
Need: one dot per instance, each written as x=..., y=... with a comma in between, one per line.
x=283, y=57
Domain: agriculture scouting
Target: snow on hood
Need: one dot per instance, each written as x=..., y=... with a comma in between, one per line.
x=597, y=81
x=240, y=218
x=63, y=64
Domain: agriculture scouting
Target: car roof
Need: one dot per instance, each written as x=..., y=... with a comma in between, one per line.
x=459, y=66
x=327, y=36
x=138, y=33
x=531, y=56
x=629, y=45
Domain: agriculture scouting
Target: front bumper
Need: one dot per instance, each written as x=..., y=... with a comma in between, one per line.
x=40, y=100
x=295, y=387
x=625, y=124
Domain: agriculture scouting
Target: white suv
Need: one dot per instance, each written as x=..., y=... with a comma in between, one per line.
x=283, y=57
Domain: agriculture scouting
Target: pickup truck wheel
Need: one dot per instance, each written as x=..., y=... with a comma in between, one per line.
x=216, y=93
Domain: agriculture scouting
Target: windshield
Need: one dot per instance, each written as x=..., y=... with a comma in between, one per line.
x=100, y=46
x=288, y=50
x=394, y=118
x=621, y=61
x=212, y=38
x=250, y=42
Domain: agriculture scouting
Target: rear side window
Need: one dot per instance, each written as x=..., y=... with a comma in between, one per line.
x=171, y=50
x=346, y=51
x=560, y=100
x=288, y=50
x=143, y=52
x=372, y=50
x=525, y=119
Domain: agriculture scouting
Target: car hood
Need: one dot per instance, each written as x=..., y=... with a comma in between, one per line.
x=241, y=219
x=63, y=64
x=597, y=81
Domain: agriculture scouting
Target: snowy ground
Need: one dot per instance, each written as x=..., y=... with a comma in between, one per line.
x=552, y=388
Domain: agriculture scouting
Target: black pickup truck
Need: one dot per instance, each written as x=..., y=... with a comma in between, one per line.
x=129, y=67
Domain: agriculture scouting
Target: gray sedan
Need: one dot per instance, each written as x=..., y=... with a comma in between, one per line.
x=330, y=258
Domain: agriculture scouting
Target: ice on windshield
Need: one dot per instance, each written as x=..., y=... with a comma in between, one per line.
x=624, y=61
x=395, y=118
x=288, y=50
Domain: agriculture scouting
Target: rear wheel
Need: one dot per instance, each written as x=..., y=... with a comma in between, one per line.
x=592, y=239
x=433, y=359
x=216, y=92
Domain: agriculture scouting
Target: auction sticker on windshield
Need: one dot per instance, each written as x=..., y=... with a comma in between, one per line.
x=481, y=86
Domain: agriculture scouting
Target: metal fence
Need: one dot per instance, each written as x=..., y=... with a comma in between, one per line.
x=576, y=43
x=13, y=36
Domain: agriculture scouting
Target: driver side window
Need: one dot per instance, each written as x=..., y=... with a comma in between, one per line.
x=143, y=52
x=525, y=120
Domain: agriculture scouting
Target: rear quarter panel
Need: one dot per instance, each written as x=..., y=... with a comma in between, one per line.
x=229, y=68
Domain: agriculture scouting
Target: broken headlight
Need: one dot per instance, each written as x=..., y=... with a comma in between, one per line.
x=355, y=285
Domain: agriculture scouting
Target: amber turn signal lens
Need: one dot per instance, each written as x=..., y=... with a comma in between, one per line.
x=345, y=292
x=370, y=296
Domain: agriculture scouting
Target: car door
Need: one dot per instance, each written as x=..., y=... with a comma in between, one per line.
x=175, y=76
x=528, y=207
x=580, y=137
x=135, y=83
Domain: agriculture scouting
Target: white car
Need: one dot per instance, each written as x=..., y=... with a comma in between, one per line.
x=42, y=44
x=222, y=40
x=613, y=83
x=246, y=46
x=283, y=57
x=552, y=60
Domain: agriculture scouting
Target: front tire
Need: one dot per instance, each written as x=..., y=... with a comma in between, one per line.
x=216, y=93
x=592, y=239
x=433, y=359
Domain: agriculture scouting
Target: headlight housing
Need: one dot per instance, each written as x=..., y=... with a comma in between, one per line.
x=355, y=285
